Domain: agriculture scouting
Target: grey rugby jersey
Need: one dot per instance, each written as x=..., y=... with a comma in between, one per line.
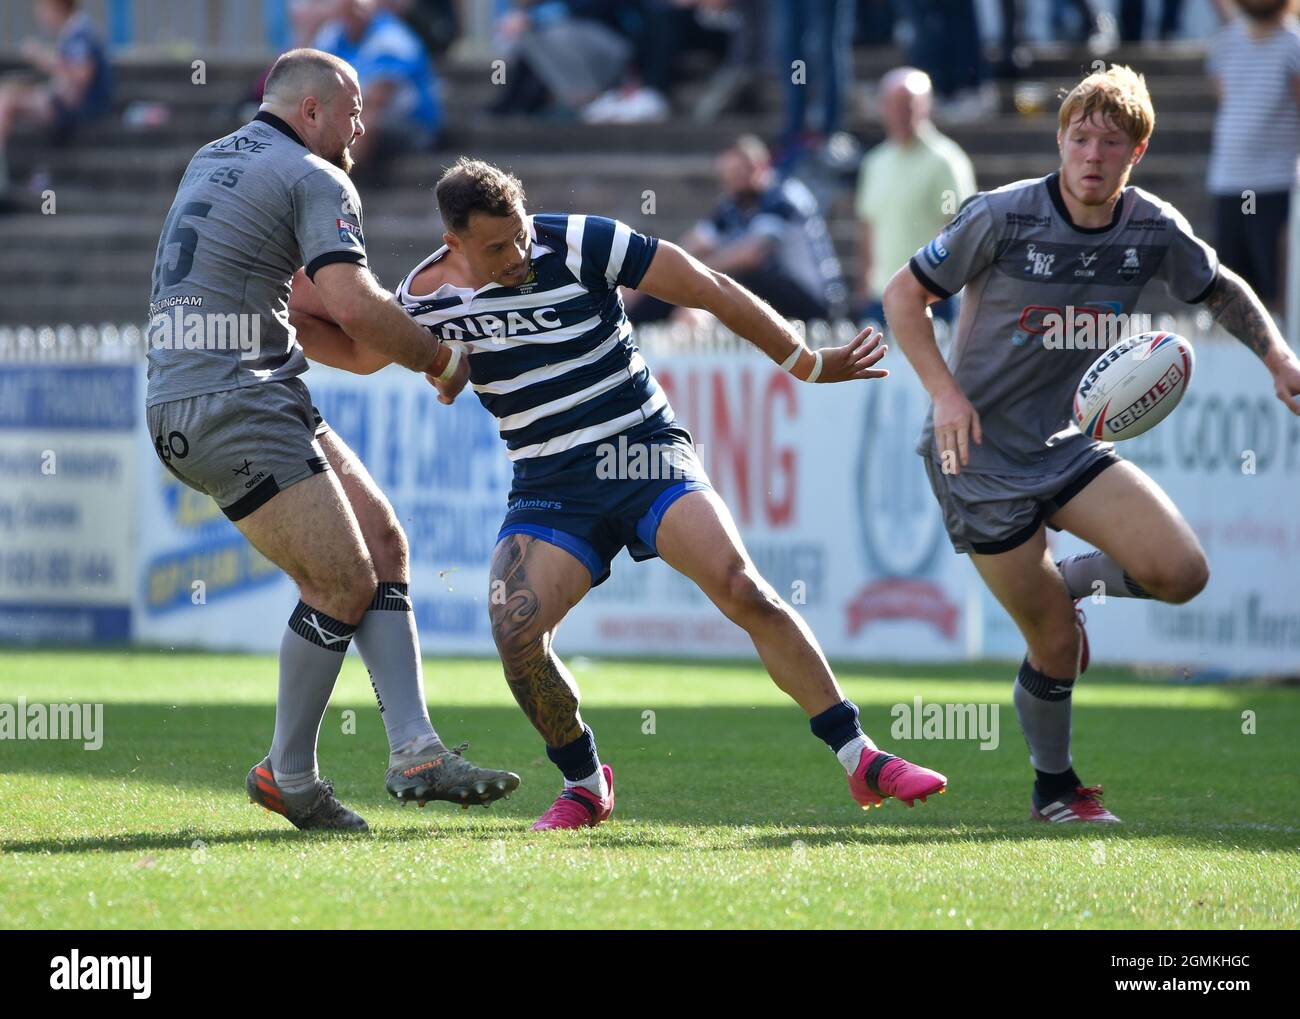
x=1023, y=261
x=252, y=208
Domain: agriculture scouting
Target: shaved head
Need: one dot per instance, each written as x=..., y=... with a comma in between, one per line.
x=317, y=95
x=298, y=74
x=904, y=103
x=909, y=79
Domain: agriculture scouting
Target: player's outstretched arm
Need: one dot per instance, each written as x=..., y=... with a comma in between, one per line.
x=1238, y=309
x=370, y=315
x=956, y=421
x=676, y=277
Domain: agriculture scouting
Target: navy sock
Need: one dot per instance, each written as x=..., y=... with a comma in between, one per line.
x=576, y=760
x=837, y=725
x=1048, y=787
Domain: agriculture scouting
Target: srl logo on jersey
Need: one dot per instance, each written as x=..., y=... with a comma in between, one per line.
x=349, y=206
x=1039, y=263
x=350, y=233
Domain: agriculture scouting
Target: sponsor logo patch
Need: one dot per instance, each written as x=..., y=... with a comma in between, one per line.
x=349, y=233
x=936, y=253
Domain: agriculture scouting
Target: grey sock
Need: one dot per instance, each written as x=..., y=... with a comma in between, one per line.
x=311, y=655
x=1083, y=571
x=390, y=647
x=1043, y=706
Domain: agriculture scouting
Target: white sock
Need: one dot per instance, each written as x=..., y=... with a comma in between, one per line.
x=594, y=783
x=851, y=753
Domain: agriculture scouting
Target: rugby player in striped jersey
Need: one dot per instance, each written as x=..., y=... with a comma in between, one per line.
x=533, y=303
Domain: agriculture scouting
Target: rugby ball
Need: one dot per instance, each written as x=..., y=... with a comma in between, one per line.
x=1133, y=386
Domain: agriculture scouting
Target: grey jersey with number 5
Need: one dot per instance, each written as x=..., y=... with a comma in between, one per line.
x=252, y=208
x=1023, y=262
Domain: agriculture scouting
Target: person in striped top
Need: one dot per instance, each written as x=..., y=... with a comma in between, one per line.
x=532, y=305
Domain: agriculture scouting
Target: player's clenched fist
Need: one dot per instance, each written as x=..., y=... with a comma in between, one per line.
x=449, y=389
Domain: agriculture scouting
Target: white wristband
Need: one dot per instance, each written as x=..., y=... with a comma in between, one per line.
x=453, y=363
x=816, y=372
x=793, y=359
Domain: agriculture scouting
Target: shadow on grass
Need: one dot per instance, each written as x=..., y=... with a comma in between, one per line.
x=736, y=838
x=716, y=767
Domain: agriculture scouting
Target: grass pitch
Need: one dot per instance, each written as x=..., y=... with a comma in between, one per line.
x=730, y=814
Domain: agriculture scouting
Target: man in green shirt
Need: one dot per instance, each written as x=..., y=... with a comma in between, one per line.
x=909, y=186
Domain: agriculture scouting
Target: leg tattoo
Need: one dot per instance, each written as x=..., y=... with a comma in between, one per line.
x=541, y=685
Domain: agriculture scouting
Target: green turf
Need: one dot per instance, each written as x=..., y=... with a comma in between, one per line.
x=730, y=814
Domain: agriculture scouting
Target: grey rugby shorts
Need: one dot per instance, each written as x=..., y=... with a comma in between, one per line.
x=241, y=446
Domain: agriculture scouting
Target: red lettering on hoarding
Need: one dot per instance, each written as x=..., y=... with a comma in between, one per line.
x=901, y=599
x=779, y=464
x=751, y=467
x=730, y=443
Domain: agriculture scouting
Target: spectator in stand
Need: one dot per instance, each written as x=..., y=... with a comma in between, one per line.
x=766, y=234
x=1094, y=25
x=1097, y=30
x=819, y=35
x=307, y=18
x=399, y=88
x=946, y=45
x=735, y=85
x=436, y=22
x=1255, y=62
x=78, y=83
x=909, y=186
x=561, y=52
x=1132, y=19
x=660, y=31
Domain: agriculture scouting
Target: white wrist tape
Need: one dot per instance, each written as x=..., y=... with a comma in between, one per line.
x=816, y=372
x=453, y=363
x=789, y=363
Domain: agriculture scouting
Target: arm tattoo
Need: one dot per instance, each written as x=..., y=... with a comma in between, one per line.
x=541, y=684
x=1237, y=309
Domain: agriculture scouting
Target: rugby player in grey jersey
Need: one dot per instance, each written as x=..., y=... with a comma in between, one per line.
x=260, y=215
x=1004, y=457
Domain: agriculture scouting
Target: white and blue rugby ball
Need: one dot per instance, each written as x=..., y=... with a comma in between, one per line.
x=1133, y=386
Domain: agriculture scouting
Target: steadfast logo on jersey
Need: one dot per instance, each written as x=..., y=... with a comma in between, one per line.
x=553, y=359
x=77, y=972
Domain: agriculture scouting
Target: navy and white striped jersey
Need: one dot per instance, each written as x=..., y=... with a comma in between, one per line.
x=553, y=359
